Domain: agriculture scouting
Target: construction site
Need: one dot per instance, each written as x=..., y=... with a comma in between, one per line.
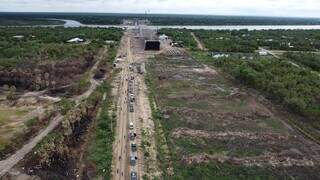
x=167, y=116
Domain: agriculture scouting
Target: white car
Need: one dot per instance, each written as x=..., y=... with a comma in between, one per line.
x=131, y=125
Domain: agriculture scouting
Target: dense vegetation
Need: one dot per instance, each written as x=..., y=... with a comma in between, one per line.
x=35, y=45
x=182, y=37
x=158, y=19
x=101, y=148
x=310, y=60
x=249, y=41
x=227, y=41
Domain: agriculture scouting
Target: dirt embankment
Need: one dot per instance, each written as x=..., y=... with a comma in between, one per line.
x=227, y=135
x=274, y=160
x=50, y=75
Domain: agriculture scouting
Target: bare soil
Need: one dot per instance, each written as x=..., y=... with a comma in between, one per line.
x=209, y=119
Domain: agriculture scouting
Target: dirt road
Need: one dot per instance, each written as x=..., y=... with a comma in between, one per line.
x=10, y=162
x=120, y=144
x=140, y=116
x=7, y=164
x=200, y=45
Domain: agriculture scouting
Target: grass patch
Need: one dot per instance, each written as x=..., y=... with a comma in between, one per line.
x=7, y=114
x=221, y=172
x=100, y=151
x=31, y=122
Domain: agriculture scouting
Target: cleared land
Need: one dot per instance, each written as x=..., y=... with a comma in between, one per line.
x=217, y=129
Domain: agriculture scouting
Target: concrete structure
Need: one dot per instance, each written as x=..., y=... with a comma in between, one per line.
x=152, y=45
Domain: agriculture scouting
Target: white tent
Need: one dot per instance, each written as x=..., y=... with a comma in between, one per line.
x=75, y=40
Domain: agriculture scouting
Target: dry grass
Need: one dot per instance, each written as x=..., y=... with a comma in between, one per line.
x=203, y=112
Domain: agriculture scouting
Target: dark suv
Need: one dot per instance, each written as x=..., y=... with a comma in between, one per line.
x=134, y=175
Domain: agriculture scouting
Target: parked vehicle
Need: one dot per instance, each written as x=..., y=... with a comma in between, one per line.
x=133, y=160
x=131, y=107
x=132, y=136
x=131, y=125
x=133, y=147
x=133, y=175
x=131, y=97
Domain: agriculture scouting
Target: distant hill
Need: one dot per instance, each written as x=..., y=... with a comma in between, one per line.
x=156, y=19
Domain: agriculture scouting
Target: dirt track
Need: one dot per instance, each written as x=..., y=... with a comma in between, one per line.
x=200, y=45
x=120, y=151
x=141, y=117
x=10, y=162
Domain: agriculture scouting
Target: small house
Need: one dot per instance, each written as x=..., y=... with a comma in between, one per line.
x=109, y=42
x=263, y=53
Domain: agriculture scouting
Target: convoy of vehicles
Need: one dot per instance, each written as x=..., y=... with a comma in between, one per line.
x=132, y=135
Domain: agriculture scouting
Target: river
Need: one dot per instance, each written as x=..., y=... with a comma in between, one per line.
x=73, y=23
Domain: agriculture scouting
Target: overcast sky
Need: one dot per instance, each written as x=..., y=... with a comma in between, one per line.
x=295, y=8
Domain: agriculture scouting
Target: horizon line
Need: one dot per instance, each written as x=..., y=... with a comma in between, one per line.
x=130, y=13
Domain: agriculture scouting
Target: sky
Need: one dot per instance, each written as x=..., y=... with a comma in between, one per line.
x=285, y=8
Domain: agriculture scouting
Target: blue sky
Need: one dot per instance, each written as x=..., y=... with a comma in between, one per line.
x=293, y=8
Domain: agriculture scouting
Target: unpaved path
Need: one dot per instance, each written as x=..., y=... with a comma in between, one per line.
x=7, y=164
x=141, y=117
x=200, y=45
x=120, y=144
x=269, y=52
x=10, y=162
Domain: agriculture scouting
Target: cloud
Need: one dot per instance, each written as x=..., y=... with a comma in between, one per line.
x=303, y=8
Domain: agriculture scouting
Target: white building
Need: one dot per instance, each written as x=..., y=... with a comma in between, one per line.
x=219, y=55
x=263, y=53
x=109, y=42
x=75, y=40
x=18, y=36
